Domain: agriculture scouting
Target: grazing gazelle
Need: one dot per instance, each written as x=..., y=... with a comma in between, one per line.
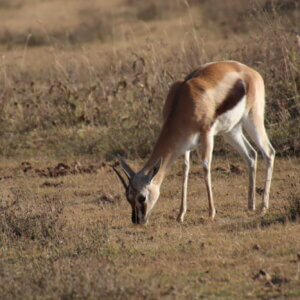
x=217, y=98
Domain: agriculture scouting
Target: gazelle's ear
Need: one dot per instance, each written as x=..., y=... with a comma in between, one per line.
x=121, y=178
x=154, y=170
x=127, y=170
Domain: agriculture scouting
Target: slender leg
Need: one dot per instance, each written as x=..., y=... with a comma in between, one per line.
x=186, y=168
x=269, y=161
x=255, y=128
x=238, y=141
x=207, y=150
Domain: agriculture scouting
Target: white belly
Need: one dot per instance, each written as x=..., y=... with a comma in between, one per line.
x=191, y=143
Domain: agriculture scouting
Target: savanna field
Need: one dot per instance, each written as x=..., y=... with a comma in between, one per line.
x=82, y=82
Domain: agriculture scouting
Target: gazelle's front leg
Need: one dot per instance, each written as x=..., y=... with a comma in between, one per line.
x=186, y=168
x=207, y=150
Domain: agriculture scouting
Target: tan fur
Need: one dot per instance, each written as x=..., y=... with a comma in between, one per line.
x=193, y=103
x=171, y=96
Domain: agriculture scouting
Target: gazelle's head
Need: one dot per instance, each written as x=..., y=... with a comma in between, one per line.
x=141, y=191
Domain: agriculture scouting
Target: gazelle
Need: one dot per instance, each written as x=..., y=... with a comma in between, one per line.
x=217, y=98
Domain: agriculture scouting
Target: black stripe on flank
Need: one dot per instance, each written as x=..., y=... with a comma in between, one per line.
x=234, y=96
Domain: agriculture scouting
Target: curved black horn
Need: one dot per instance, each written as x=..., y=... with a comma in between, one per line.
x=121, y=178
x=127, y=170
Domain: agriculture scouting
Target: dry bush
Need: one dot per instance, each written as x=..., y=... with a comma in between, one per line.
x=82, y=106
x=274, y=54
x=292, y=209
x=235, y=16
x=8, y=4
x=155, y=9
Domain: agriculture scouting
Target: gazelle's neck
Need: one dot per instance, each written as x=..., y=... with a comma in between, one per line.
x=168, y=148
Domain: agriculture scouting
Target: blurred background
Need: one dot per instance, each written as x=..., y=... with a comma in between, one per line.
x=90, y=77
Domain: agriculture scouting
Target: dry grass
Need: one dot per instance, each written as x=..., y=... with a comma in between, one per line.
x=71, y=100
x=82, y=81
x=71, y=237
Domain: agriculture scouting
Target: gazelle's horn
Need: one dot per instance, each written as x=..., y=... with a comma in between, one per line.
x=127, y=170
x=121, y=178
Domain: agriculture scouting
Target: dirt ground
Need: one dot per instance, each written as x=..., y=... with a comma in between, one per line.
x=68, y=235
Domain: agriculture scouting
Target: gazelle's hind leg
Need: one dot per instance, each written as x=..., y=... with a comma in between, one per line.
x=207, y=150
x=186, y=168
x=238, y=141
x=254, y=125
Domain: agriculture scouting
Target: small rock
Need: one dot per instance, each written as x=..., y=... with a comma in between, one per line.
x=256, y=247
x=262, y=274
x=222, y=170
x=26, y=166
x=235, y=169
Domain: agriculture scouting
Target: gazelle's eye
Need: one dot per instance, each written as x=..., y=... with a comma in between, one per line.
x=141, y=199
x=129, y=195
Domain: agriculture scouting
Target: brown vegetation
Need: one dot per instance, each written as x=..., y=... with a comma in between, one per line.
x=82, y=81
x=71, y=237
x=75, y=94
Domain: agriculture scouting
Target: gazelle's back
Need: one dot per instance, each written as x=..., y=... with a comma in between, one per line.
x=212, y=90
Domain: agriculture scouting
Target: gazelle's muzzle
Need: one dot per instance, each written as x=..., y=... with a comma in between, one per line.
x=136, y=219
